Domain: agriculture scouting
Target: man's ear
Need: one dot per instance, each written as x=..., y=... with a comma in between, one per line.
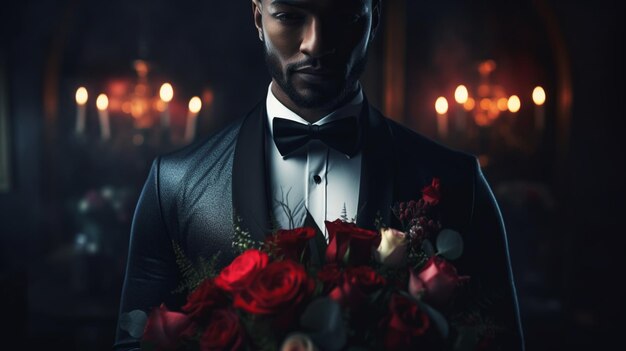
x=257, y=15
x=375, y=18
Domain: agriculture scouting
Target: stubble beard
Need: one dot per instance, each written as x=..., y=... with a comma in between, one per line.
x=319, y=99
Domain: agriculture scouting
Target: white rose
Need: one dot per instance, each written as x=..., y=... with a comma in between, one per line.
x=298, y=342
x=392, y=248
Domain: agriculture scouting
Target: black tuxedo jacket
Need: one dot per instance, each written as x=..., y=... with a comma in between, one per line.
x=190, y=195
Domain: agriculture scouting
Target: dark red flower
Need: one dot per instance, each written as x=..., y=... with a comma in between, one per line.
x=404, y=324
x=203, y=300
x=431, y=193
x=436, y=282
x=344, y=235
x=166, y=330
x=356, y=283
x=330, y=276
x=291, y=243
x=223, y=332
x=240, y=272
x=280, y=287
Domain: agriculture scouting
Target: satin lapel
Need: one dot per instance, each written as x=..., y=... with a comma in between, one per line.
x=377, y=170
x=249, y=175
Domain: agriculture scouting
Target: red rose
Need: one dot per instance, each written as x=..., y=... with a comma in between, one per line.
x=203, y=300
x=291, y=243
x=330, y=275
x=275, y=289
x=240, y=272
x=436, y=282
x=405, y=323
x=223, y=332
x=166, y=330
x=356, y=284
x=431, y=194
x=344, y=235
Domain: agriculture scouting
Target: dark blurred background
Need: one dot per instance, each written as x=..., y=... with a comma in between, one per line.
x=67, y=191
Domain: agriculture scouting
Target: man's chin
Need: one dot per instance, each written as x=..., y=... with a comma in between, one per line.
x=322, y=95
x=313, y=99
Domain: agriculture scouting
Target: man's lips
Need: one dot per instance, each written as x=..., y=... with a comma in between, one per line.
x=321, y=72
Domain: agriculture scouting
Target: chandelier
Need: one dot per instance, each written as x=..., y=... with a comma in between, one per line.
x=485, y=105
x=150, y=109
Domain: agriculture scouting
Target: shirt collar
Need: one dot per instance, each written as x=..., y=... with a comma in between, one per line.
x=276, y=109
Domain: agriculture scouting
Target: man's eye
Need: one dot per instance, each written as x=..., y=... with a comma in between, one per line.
x=288, y=17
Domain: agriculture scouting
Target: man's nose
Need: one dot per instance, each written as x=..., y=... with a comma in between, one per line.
x=316, y=41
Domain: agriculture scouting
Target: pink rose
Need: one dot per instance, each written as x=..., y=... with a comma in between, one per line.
x=437, y=281
x=166, y=330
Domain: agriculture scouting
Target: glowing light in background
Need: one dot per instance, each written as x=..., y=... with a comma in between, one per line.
x=539, y=96
x=166, y=92
x=461, y=94
x=195, y=104
x=503, y=104
x=441, y=105
x=514, y=103
x=102, y=102
x=469, y=104
x=81, y=96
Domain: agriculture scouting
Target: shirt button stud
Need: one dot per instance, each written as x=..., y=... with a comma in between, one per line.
x=317, y=179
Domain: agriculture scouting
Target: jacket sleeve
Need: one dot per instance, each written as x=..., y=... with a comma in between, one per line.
x=151, y=270
x=490, y=268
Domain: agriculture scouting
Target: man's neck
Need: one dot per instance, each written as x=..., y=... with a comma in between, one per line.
x=311, y=115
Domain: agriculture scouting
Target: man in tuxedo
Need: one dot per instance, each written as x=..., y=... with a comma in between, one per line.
x=316, y=146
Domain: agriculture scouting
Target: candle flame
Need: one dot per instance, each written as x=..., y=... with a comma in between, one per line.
x=195, y=104
x=441, y=105
x=461, y=94
x=539, y=96
x=514, y=103
x=102, y=102
x=166, y=92
x=81, y=96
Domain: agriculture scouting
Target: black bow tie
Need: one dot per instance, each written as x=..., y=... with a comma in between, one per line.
x=341, y=134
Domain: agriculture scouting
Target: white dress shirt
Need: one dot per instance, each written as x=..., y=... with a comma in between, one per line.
x=316, y=177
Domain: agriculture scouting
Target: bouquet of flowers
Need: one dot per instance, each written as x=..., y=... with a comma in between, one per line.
x=390, y=289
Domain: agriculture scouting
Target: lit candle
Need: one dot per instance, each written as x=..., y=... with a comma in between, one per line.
x=539, y=98
x=166, y=93
x=441, y=106
x=194, y=107
x=102, y=103
x=81, y=110
x=461, y=95
x=514, y=104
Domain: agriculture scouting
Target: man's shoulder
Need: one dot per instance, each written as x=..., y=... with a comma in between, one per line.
x=219, y=142
x=213, y=152
x=412, y=145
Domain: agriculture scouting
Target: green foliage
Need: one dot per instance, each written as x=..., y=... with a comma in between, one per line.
x=344, y=213
x=242, y=240
x=193, y=275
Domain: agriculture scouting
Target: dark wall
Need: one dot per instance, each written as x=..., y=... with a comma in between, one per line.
x=202, y=43
x=595, y=36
